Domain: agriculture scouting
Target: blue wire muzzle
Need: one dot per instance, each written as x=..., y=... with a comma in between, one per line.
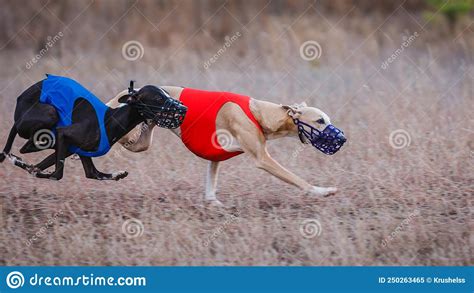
x=328, y=141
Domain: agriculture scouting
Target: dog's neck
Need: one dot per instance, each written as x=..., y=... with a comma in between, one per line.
x=120, y=121
x=273, y=119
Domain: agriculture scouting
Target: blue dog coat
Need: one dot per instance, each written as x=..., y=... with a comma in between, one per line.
x=61, y=93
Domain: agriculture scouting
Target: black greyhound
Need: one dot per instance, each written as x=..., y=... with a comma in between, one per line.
x=77, y=122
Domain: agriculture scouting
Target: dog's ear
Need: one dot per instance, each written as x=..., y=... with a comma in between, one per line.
x=293, y=111
x=127, y=99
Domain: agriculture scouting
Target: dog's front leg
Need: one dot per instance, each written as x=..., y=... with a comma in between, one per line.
x=211, y=183
x=253, y=144
x=93, y=173
x=264, y=161
x=268, y=164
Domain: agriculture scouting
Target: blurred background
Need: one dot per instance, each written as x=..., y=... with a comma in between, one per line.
x=396, y=76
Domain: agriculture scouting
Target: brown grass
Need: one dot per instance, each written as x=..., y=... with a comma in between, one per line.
x=427, y=91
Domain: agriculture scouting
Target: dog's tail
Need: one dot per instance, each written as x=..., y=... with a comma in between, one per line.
x=8, y=146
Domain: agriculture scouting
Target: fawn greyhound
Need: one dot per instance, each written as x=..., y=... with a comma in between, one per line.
x=59, y=113
x=220, y=125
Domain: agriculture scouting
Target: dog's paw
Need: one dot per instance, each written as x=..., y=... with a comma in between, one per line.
x=322, y=191
x=2, y=157
x=33, y=170
x=44, y=175
x=119, y=175
x=215, y=203
x=51, y=176
x=14, y=159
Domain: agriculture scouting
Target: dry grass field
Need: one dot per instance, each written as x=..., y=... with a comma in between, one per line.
x=405, y=175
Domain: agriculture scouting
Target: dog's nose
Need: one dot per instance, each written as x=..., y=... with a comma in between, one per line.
x=341, y=137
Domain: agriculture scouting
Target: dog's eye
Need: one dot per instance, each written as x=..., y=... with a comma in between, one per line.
x=320, y=121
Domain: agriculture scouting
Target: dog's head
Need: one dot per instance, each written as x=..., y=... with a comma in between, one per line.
x=314, y=127
x=155, y=104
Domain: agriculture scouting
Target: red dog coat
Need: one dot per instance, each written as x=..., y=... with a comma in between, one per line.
x=198, y=131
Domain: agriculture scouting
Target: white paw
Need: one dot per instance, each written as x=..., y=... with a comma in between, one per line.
x=322, y=191
x=119, y=175
x=13, y=158
x=215, y=203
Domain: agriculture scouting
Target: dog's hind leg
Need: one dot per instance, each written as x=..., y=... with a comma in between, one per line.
x=48, y=161
x=20, y=163
x=8, y=146
x=29, y=147
x=211, y=183
x=17, y=161
x=38, y=168
x=93, y=173
x=61, y=154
